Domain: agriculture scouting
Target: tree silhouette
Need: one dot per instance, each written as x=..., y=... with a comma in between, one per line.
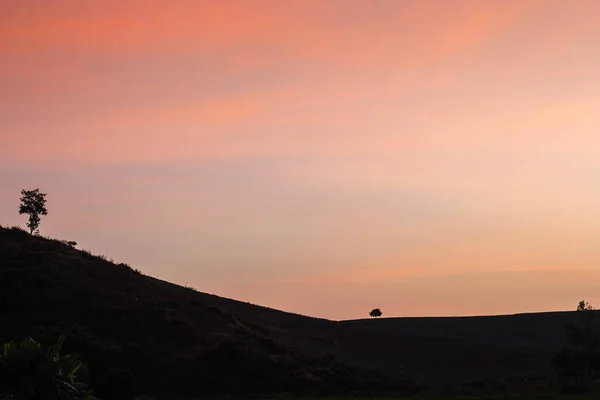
x=582, y=355
x=584, y=306
x=376, y=312
x=33, y=203
x=585, y=336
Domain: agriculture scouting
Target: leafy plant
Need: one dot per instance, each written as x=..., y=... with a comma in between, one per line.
x=33, y=203
x=30, y=372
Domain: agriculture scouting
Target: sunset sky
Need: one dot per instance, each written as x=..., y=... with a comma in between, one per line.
x=321, y=157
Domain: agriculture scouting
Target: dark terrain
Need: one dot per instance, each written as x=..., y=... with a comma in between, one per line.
x=177, y=340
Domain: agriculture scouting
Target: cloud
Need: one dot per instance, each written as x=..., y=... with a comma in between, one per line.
x=149, y=80
x=376, y=152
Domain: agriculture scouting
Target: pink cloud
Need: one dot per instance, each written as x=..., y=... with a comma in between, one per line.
x=371, y=151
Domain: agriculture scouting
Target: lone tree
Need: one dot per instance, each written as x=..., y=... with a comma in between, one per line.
x=585, y=336
x=376, y=313
x=584, y=306
x=582, y=358
x=33, y=203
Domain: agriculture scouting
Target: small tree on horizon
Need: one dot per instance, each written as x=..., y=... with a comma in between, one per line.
x=376, y=312
x=33, y=203
x=586, y=335
x=584, y=306
x=582, y=357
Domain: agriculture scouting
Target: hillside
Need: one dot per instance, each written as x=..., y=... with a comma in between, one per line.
x=173, y=338
x=535, y=330
x=178, y=340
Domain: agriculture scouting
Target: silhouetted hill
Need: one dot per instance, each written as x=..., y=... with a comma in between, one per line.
x=536, y=330
x=191, y=342
x=173, y=338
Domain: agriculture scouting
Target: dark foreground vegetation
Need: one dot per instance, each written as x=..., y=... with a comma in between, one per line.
x=136, y=335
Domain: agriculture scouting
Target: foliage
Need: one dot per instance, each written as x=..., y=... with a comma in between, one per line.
x=33, y=203
x=577, y=363
x=584, y=336
x=376, y=312
x=584, y=306
x=28, y=371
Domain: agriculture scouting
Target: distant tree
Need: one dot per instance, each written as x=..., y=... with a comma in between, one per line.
x=376, y=312
x=584, y=306
x=582, y=356
x=33, y=203
x=585, y=336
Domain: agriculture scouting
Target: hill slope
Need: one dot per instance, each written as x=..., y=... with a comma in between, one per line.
x=190, y=342
x=169, y=336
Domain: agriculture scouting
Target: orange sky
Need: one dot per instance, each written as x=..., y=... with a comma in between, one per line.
x=323, y=157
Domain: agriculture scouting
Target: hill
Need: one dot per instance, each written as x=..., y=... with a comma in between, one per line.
x=535, y=330
x=178, y=340
x=174, y=339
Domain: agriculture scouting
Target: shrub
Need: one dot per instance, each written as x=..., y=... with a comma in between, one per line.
x=28, y=372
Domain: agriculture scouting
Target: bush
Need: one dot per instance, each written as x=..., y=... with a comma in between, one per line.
x=28, y=372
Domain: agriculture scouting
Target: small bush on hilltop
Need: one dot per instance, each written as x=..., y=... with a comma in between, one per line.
x=70, y=243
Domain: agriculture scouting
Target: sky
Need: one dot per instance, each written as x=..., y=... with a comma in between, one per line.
x=321, y=157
